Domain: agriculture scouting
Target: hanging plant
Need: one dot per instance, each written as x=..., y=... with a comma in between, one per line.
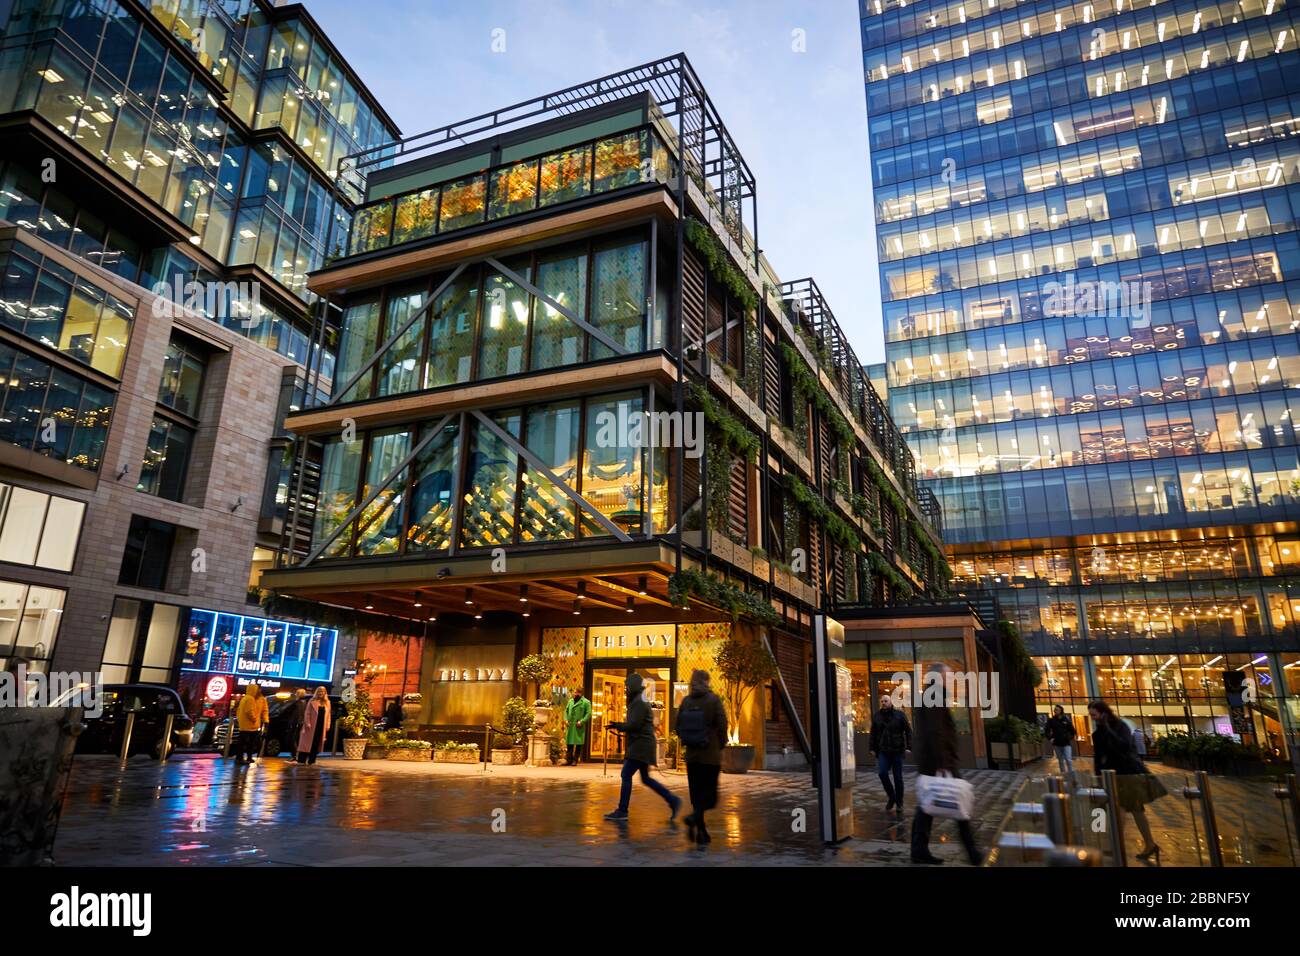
x=886, y=488
x=900, y=585
x=841, y=532
x=715, y=256
x=809, y=386
x=729, y=430
x=711, y=590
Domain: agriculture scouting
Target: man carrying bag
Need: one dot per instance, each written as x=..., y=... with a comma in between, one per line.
x=940, y=791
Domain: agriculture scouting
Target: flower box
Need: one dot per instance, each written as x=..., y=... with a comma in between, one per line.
x=507, y=757
x=456, y=756
x=410, y=753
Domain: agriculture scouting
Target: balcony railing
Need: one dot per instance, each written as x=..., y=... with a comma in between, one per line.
x=545, y=181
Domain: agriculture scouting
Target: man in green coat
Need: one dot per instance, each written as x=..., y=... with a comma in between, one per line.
x=640, y=751
x=576, y=716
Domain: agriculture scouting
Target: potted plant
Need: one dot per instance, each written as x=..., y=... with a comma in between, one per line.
x=503, y=750
x=533, y=669
x=451, y=752
x=1013, y=741
x=380, y=742
x=356, y=723
x=407, y=749
x=412, y=704
x=743, y=663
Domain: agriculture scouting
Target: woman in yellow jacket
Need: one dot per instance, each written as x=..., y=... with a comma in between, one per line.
x=251, y=717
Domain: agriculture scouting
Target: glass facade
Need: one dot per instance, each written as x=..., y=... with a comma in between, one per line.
x=504, y=498
x=101, y=75
x=1088, y=224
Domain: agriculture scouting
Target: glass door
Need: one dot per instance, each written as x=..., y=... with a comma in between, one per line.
x=609, y=704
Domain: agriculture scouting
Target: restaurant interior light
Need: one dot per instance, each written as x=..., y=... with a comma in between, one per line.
x=641, y=585
x=469, y=595
x=523, y=594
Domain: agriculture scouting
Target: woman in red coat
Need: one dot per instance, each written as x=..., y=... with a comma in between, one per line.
x=315, y=725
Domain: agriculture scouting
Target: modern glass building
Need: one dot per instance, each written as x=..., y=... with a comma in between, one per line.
x=1087, y=222
x=521, y=293
x=181, y=150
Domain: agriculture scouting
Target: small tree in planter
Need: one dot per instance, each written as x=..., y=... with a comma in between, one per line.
x=743, y=664
x=357, y=723
x=516, y=721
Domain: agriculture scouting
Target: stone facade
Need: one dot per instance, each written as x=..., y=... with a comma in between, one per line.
x=224, y=483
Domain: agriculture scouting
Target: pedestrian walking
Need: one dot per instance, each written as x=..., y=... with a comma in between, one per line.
x=315, y=725
x=577, y=715
x=1060, y=731
x=293, y=713
x=1113, y=748
x=702, y=729
x=891, y=737
x=935, y=737
x=640, y=751
x=250, y=717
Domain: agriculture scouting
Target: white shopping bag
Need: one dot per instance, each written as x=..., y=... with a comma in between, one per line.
x=946, y=796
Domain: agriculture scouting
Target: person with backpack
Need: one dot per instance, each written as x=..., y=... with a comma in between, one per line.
x=641, y=751
x=891, y=737
x=702, y=729
x=1060, y=731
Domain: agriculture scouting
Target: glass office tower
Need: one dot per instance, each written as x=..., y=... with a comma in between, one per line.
x=1087, y=222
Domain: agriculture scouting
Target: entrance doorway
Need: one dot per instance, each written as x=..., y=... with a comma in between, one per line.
x=607, y=689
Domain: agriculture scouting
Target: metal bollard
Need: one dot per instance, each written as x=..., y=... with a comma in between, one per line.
x=1289, y=793
x=1056, y=814
x=165, y=745
x=126, y=738
x=1110, y=783
x=487, y=730
x=1202, y=792
x=604, y=757
x=1054, y=784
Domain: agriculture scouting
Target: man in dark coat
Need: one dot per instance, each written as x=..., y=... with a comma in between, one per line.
x=293, y=713
x=891, y=737
x=935, y=750
x=641, y=751
x=702, y=729
x=1060, y=731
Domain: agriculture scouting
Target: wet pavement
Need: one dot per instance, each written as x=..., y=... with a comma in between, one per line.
x=206, y=811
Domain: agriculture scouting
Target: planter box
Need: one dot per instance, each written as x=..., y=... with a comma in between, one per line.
x=376, y=753
x=506, y=757
x=737, y=758
x=455, y=756
x=1014, y=756
x=354, y=748
x=410, y=753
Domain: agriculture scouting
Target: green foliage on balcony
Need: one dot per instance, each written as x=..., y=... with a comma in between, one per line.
x=1015, y=658
x=886, y=487
x=809, y=386
x=715, y=256
x=841, y=532
x=733, y=434
x=881, y=566
x=711, y=590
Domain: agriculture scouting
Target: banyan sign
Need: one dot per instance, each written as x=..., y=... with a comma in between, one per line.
x=632, y=640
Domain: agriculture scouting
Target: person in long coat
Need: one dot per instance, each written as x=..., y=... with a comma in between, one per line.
x=641, y=751
x=577, y=714
x=702, y=718
x=315, y=725
x=935, y=739
x=1113, y=748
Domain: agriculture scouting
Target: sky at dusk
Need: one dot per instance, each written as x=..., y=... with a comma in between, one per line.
x=798, y=117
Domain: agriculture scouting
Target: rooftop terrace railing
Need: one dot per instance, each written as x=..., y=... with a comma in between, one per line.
x=545, y=181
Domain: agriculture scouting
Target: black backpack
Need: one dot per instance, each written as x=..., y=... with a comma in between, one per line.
x=693, y=727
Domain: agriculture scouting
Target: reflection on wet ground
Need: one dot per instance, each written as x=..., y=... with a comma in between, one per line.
x=206, y=811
